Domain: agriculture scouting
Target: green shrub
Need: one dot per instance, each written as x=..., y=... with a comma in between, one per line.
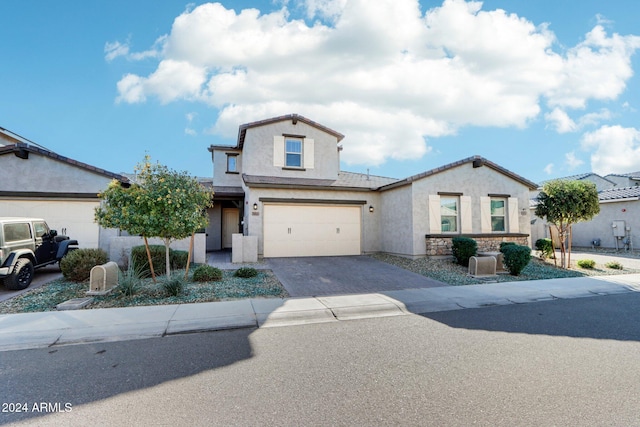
x=246, y=272
x=503, y=244
x=586, y=263
x=463, y=248
x=130, y=282
x=139, y=261
x=544, y=248
x=614, y=265
x=173, y=286
x=206, y=273
x=76, y=265
x=516, y=258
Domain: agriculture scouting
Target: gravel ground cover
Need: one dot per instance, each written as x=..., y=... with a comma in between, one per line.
x=447, y=271
x=45, y=298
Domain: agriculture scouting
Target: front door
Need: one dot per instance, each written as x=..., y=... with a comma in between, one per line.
x=230, y=220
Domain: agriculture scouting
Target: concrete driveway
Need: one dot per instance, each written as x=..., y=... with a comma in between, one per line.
x=42, y=275
x=322, y=276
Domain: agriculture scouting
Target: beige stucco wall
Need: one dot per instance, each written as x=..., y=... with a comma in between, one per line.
x=43, y=174
x=465, y=179
x=396, y=222
x=220, y=175
x=120, y=247
x=253, y=220
x=600, y=226
x=258, y=151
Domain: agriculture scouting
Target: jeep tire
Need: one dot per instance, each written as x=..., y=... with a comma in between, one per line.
x=21, y=277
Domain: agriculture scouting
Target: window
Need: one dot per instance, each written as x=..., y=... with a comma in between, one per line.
x=498, y=214
x=232, y=164
x=16, y=232
x=293, y=152
x=449, y=214
x=40, y=228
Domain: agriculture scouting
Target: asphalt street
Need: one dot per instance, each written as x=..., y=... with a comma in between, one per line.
x=562, y=362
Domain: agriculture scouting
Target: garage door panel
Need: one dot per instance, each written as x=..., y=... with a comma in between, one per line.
x=307, y=230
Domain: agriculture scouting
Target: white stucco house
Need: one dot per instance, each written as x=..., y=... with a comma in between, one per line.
x=282, y=183
x=618, y=223
x=37, y=182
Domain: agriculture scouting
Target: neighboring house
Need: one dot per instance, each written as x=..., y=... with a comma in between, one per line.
x=625, y=180
x=39, y=183
x=282, y=183
x=618, y=223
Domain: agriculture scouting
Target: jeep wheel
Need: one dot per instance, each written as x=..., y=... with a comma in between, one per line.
x=21, y=277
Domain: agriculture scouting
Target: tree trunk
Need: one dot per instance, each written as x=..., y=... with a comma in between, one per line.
x=570, y=239
x=146, y=245
x=167, y=259
x=555, y=258
x=186, y=273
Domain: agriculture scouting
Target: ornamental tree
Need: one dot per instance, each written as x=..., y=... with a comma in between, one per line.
x=162, y=203
x=564, y=203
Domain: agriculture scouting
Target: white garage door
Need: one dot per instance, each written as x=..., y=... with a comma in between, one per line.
x=74, y=216
x=311, y=230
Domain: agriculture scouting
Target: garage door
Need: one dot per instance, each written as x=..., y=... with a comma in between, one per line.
x=74, y=216
x=311, y=230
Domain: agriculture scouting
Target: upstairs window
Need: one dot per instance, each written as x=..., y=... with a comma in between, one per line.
x=498, y=214
x=293, y=152
x=449, y=214
x=232, y=163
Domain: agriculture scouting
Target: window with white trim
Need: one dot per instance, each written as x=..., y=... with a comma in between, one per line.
x=449, y=214
x=498, y=214
x=293, y=152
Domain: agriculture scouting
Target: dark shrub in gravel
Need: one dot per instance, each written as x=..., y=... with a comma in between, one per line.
x=463, y=248
x=516, y=258
x=76, y=265
x=586, y=263
x=503, y=244
x=207, y=273
x=545, y=248
x=246, y=272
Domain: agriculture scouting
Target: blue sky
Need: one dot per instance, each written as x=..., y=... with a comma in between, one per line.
x=543, y=88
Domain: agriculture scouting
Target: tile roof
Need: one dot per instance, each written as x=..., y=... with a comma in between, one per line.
x=476, y=160
x=577, y=177
x=620, y=193
x=346, y=180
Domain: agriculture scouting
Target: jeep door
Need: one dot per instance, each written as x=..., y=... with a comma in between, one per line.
x=45, y=246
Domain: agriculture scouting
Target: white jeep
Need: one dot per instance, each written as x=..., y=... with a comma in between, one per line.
x=27, y=244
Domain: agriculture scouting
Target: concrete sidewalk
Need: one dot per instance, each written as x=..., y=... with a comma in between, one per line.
x=37, y=330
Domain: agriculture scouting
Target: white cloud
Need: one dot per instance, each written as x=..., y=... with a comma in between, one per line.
x=615, y=149
x=548, y=169
x=572, y=161
x=561, y=121
x=114, y=50
x=384, y=73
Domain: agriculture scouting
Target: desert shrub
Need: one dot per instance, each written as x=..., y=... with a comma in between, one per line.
x=206, y=273
x=173, y=286
x=76, y=265
x=246, y=272
x=544, y=248
x=130, y=282
x=139, y=261
x=586, y=263
x=463, y=248
x=516, y=258
x=614, y=265
x=503, y=244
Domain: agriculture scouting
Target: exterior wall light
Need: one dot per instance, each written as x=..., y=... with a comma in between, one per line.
x=371, y=208
x=255, y=206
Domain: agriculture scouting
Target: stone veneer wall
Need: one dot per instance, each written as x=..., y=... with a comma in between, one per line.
x=440, y=245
